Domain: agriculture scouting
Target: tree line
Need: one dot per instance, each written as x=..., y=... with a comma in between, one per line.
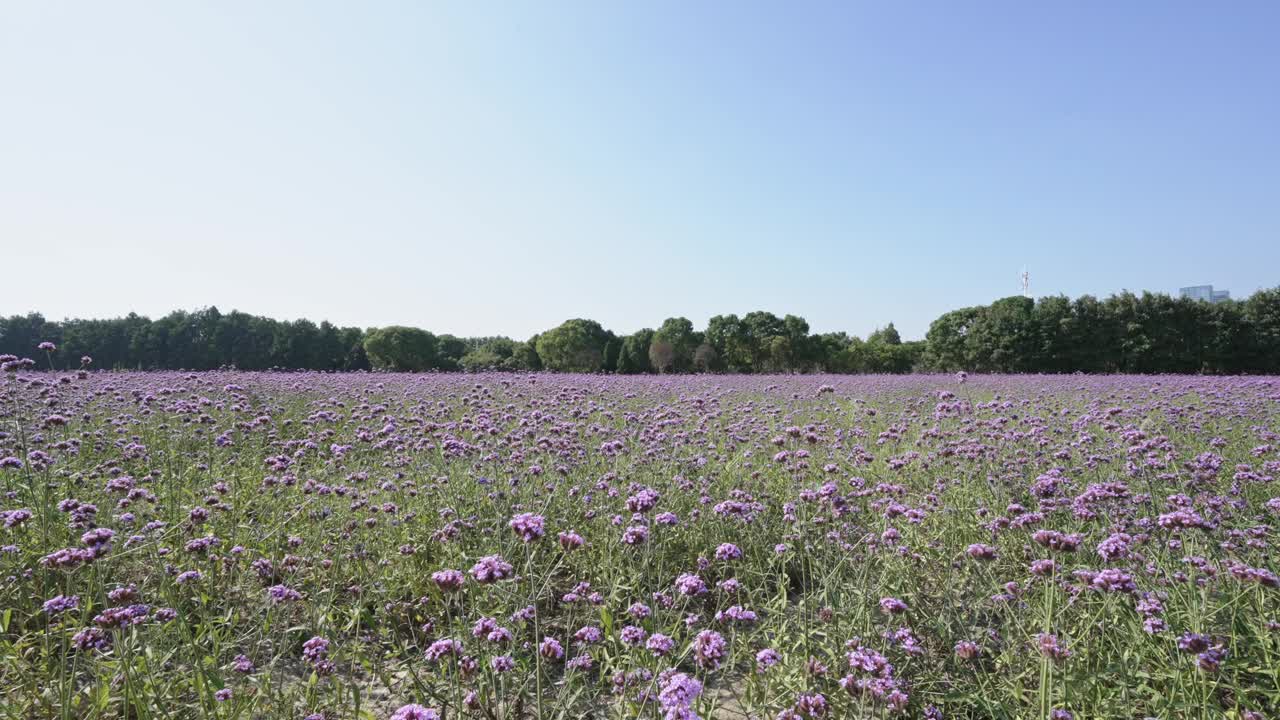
x=1148, y=333
x=1125, y=333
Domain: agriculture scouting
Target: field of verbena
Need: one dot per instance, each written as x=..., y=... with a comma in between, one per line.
x=239, y=545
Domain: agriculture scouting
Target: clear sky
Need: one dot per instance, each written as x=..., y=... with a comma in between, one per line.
x=497, y=167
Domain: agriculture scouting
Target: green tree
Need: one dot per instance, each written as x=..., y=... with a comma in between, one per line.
x=481, y=358
x=576, y=345
x=1261, y=316
x=1094, y=336
x=401, y=348
x=947, y=340
x=887, y=335
x=761, y=328
x=1004, y=339
x=729, y=337
x=674, y=343
x=612, y=351
x=1054, y=325
x=489, y=354
x=830, y=352
x=354, y=357
x=800, y=354
x=705, y=358
x=449, y=351
x=633, y=357
x=524, y=356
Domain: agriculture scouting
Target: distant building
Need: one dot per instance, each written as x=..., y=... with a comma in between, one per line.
x=1205, y=293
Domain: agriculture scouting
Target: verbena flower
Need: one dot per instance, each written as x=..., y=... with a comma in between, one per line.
x=709, y=649
x=491, y=569
x=414, y=712
x=677, y=696
x=528, y=527
x=448, y=580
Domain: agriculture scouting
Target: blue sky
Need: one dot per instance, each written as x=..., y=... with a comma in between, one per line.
x=497, y=167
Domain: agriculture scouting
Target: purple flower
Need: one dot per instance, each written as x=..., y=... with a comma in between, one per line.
x=222, y=695
x=122, y=617
x=814, y=705
x=67, y=558
x=189, y=576
x=1114, y=580
x=1210, y=660
x=980, y=551
x=766, y=659
x=61, y=603
x=316, y=653
x=15, y=518
x=317, y=648
x=677, y=696
x=1193, y=643
x=91, y=639
x=1116, y=546
x=528, y=527
x=1180, y=520
x=660, y=645
x=1051, y=648
x=571, y=540
x=443, y=648
x=869, y=661
x=98, y=541
x=737, y=613
x=709, y=648
x=1262, y=576
x=892, y=606
x=728, y=551
x=126, y=594
x=1055, y=540
x=632, y=635
x=1043, y=568
x=588, y=635
x=690, y=585
x=448, y=580
x=491, y=569
x=550, y=649
x=282, y=593
x=414, y=712
x=643, y=500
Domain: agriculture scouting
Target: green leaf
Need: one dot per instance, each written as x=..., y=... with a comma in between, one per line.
x=606, y=618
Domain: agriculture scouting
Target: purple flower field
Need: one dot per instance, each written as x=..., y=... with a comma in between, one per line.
x=502, y=546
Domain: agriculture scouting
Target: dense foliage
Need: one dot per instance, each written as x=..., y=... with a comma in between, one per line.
x=1126, y=333
x=202, y=340
x=501, y=546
